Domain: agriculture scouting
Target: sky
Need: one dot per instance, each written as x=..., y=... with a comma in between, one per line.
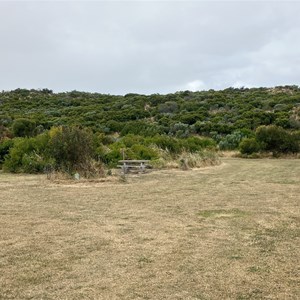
x=119, y=47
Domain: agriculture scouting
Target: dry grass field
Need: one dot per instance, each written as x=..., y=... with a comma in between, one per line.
x=225, y=232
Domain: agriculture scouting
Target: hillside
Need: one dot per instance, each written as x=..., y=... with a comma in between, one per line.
x=180, y=114
x=40, y=129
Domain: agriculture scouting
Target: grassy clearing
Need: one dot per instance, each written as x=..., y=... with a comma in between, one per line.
x=225, y=232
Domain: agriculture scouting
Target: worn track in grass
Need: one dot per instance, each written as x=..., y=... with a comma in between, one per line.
x=226, y=232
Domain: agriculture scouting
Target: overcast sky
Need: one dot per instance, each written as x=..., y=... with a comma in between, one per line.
x=118, y=47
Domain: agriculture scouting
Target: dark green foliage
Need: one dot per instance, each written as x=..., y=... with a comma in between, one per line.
x=130, y=140
x=139, y=147
x=142, y=152
x=114, y=126
x=104, y=139
x=180, y=130
x=139, y=125
x=296, y=135
x=131, y=146
x=168, y=107
x=23, y=127
x=140, y=128
x=71, y=147
x=249, y=146
x=207, y=111
x=194, y=144
x=112, y=157
x=165, y=142
x=276, y=139
x=62, y=148
x=34, y=163
x=232, y=141
x=27, y=155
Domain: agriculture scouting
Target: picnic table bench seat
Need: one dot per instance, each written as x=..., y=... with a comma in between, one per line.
x=137, y=164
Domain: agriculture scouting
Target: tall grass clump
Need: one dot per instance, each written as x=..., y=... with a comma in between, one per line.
x=205, y=158
x=186, y=160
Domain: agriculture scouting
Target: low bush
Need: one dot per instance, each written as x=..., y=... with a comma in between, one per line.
x=232, y=141
x=27, y=155
x=165, y=142
x=249, y=146
x=35, y=163
x=143, y=152
x=71, y=147
x=194, y=144
x=23, y=127
x=276, y=139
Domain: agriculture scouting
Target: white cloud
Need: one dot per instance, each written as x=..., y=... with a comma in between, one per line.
x=196, y=85
x=148, y=47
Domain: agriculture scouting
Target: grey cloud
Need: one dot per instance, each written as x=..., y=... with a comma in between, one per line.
x=148, y=47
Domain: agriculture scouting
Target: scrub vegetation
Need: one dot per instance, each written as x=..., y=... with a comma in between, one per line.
x=76, y=131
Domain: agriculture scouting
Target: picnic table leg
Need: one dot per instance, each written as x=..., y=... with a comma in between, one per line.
x=124, y=168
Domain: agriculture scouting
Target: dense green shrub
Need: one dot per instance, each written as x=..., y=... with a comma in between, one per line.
x=27, y=155
x=168, y=107
x=130, y=140
x=71, y=147
x=232, y=141
x=140, y=128
x=249, y=146
x=104, y=139
x=143, y=152
x=140, y=123
x=276, y=139
x=127, y=147
x=194, y=144
x=112, y=153
x=164, y=142
x=296, y=135
x=35, y=163
x=23, y=127
x=110, y=158
x=208, y=111
x=68, y=149
x=180, y=130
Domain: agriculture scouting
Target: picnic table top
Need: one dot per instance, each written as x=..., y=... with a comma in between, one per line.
x=133, y=161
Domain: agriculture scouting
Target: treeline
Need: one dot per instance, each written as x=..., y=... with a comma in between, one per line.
x=35, y=123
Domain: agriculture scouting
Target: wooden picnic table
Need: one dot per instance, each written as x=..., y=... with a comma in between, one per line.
x=137, y=164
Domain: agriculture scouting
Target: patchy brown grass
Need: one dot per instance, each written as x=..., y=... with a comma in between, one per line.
x=225, y=232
